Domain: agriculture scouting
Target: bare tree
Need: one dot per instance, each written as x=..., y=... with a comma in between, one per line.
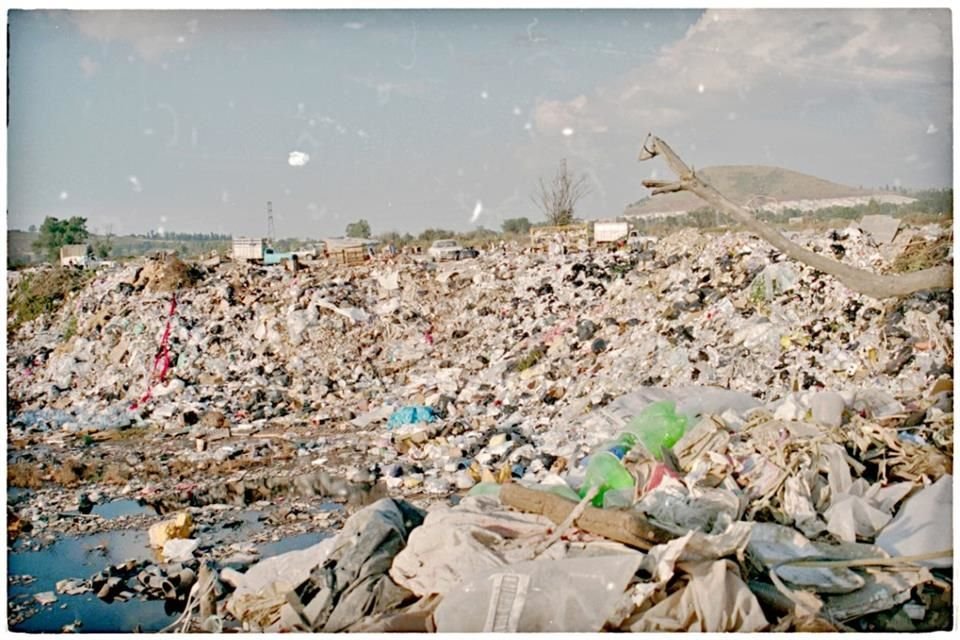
x=866, y=282
x=558, y=198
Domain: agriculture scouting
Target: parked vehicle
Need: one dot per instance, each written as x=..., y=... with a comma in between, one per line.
x=257, y=250
x=610, y=232
x=447, y=249
x=75, y=255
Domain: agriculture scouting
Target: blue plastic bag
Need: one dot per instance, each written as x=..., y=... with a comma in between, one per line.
x=410, y=415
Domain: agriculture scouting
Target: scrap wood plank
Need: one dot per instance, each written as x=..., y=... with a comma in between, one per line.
x=624, y=526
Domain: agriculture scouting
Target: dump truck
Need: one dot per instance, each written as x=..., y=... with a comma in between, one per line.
x=258, y=251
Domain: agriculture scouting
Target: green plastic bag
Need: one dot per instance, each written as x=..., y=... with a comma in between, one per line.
x=658, y=426
x=606, y=472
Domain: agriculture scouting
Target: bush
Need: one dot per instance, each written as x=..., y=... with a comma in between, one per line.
x=43, y=292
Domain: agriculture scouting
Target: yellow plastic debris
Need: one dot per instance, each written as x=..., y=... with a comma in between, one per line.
x=180, y=526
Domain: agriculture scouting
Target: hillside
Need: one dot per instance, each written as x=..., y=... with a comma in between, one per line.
x=740, y=183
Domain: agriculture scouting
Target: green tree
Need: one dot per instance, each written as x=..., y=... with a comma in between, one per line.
x=103, y=249
x=56, y=233
x=515, y=225
x=358, y=229
x=429, y=235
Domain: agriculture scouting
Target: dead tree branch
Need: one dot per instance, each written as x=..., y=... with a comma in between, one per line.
x=558, y=199
x=866, y=282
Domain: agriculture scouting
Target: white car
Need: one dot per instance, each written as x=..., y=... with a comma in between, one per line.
x=444, y=250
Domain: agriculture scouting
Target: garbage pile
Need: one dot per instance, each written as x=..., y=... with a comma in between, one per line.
x=524, y=442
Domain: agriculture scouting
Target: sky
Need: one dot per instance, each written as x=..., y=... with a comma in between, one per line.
x=191, y=121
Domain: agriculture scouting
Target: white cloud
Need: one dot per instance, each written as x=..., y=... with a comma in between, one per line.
x=135, y=183
x=556, y=116
x=64, y=195
x=354, y=25
x=298, y=158
x=767, y=59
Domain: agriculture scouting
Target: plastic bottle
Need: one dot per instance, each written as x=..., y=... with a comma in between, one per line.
x=604, y=470
x=658, y=426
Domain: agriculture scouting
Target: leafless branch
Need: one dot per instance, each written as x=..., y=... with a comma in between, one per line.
x=558, y=198
x=866, y=282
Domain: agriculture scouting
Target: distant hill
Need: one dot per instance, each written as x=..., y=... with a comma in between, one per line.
x=758, y=184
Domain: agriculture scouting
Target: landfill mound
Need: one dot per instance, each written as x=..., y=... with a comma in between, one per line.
x=167, y=273
x=518, y=442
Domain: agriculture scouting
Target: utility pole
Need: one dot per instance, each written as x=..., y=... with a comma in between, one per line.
x=270, y=229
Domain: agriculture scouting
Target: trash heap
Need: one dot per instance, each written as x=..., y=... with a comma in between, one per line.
x=582, y=442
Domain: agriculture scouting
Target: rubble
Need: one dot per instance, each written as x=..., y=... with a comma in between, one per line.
x=474, y=393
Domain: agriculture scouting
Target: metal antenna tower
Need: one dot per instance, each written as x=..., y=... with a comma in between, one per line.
x=270, y=229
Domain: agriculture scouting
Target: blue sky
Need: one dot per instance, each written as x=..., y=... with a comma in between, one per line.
x=192, y=121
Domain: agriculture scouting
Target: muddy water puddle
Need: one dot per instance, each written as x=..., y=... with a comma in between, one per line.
x=80, y=557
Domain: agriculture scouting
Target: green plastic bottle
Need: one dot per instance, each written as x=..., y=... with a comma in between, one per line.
x=606, y=472
x=658, y=426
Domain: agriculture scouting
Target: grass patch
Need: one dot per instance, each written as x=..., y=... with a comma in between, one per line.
x=25, y=475
x=73, y=472
x=70, y=329
x=43, y=292
x=116, y=474
x=530, y=359
x=922, y=254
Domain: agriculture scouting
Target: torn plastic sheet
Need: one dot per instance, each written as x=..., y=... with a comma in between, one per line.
x=678, y=508
x=456, y=543
x=774, y=280
x=353, y=313
x=389, y=280
x=923, y=525
x=798, y=504
x=705, y=436
x=568, y=595
x=771, y=544
x=857, y=509
x=883, y=590
x=353, y=581
x=715, y=599
x=263, y=588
